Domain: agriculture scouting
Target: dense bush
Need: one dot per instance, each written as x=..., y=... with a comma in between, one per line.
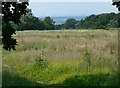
x=87, y=80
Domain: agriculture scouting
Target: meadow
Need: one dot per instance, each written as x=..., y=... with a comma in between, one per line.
x=64, y=58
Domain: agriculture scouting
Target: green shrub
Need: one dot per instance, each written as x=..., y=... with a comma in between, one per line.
x=87, y=80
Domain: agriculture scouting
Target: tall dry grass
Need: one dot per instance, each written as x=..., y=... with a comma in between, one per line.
x=53, y=56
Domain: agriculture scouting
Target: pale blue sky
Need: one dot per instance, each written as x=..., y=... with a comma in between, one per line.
x=42, y=9
x=71, y=0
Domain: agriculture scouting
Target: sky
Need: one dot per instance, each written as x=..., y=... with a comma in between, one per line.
x=57, y=9
x=71, y=0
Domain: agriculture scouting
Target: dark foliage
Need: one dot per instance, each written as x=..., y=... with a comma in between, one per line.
x=49, y=23
x=101, y=21
x=11, y=79
x=30, y=22
x=12, y=11
x=70, y=24
x=92, y=80
x=117, y=6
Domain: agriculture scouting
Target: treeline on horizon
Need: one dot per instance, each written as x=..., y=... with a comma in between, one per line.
x=101, y=21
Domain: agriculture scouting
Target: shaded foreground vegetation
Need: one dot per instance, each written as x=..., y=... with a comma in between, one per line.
x=68, y=58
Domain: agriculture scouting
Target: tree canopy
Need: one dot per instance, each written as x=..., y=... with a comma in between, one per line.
x=100, y=21
x=70, y=23
x=117, y=4
x=30, y=22
x=11, y=12
x=49, y=23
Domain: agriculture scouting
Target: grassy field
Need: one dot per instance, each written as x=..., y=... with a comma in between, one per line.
x=67, y=57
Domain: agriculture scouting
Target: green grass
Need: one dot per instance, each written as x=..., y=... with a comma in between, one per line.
x=74, y=57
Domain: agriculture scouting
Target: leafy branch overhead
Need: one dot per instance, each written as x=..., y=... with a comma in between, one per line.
x=12, y=12
x=117, y=5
